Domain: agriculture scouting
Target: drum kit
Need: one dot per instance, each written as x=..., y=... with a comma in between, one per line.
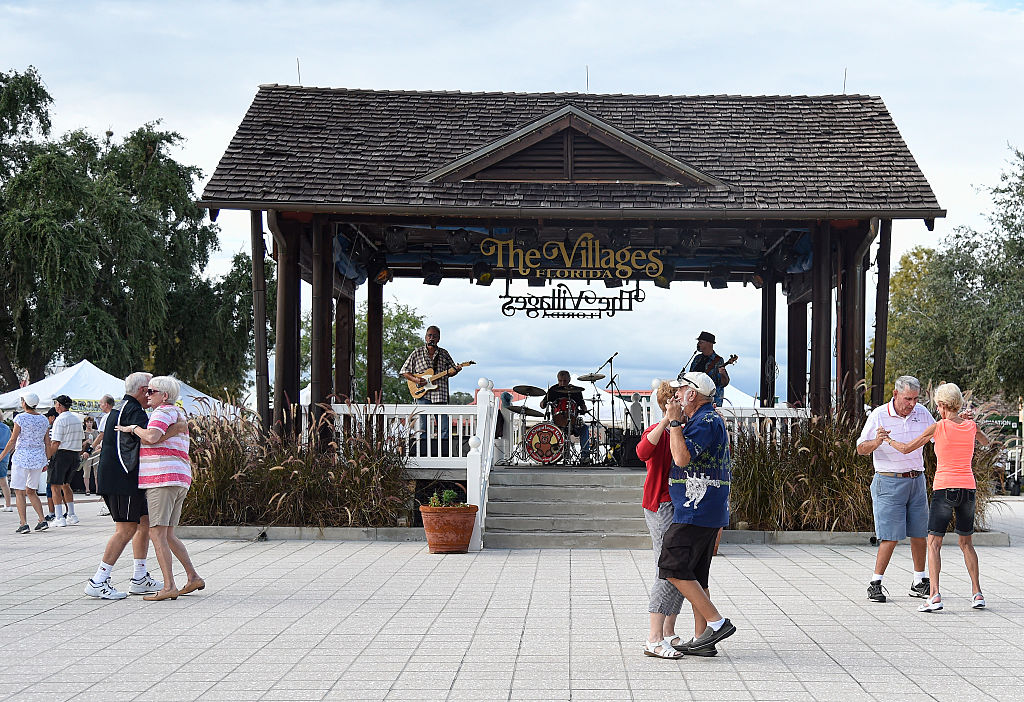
x=548, y=442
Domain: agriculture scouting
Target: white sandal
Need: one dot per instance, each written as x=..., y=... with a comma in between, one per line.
x=932, y=604
x=978, y=601
x=659, y=649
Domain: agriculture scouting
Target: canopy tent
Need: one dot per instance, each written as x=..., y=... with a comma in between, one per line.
x=85, y=384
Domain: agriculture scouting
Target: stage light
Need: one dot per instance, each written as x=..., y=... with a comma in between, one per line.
x=396, y=239
x=613, y=282
x=536, y=282
x=662, y=281
x=433, y=272
x=459, y=241
x=483, y=273
x=718, y=278
x=379, y=271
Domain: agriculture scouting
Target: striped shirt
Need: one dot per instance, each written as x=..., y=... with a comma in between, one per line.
x=165, y=463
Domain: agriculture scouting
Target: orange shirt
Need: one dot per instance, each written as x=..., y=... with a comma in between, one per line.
x=954, y=449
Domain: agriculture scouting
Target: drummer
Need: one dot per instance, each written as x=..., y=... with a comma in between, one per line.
x=563, y=397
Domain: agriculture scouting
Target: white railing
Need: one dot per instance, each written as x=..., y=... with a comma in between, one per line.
x=765, y=420
x=481, y=458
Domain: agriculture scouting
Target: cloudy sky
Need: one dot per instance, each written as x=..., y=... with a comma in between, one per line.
x=949, y=72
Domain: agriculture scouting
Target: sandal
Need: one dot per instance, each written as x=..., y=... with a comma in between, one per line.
x=658, y=649
x=932, y=604
x=978, y=602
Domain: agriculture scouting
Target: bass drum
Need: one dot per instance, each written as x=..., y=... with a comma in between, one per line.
x=545, y=443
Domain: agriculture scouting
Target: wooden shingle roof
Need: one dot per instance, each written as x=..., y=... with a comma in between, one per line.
x=368, y=151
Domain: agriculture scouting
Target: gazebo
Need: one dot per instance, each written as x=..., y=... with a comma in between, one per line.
x=361, y=186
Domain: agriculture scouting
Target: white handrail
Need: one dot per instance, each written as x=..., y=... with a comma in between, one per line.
x=481, y=458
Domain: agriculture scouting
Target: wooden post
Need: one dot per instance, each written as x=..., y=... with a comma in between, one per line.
x=286, y=364
x=374, y=341
x=768, y=324
x=881, y=314
x=316, y=327
x=821, y=321
x=796, y=354
x=327, y=273
x=850, y=329
x=259, y=318
x=345, y=348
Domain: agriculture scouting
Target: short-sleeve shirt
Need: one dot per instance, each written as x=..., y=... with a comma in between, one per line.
x=700, y=491
x=700, y=365
x=902, y=429
x=165, y=463
x=100, y=426
x=419, y=361
x=68, y=430
x=30, y=449
x=5, y=436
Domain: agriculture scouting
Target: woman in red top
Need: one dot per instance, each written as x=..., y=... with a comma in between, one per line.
x=666, y=600
x=953, y=491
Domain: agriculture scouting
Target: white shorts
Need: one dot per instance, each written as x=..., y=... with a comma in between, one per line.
x=24, y=478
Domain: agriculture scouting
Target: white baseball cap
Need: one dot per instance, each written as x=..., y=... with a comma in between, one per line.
x=701, y=382
x=30, y=399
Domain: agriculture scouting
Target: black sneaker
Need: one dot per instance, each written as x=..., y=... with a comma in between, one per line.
x=50, y=517
x=688, y=649
x=709, y=638
x=922, y=589
x=23, y=529
x=876, y=593
x=42, y=526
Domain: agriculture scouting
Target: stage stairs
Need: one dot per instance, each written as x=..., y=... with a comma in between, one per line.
x=565, y=508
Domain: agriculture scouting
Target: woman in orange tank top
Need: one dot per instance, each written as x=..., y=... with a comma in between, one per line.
x=953, y=490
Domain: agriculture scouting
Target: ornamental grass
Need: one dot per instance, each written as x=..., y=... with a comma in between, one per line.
x=328, y=475
x=810, y=477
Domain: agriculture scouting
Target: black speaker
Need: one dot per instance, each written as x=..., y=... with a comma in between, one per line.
x=628, y=457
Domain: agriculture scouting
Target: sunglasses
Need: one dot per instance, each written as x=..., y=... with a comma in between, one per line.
x=151, y=391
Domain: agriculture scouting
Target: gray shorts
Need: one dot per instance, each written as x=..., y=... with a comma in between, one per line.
x=165, y=505
x=900, y=506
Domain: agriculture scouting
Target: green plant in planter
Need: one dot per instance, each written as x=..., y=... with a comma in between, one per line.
x=446, y=499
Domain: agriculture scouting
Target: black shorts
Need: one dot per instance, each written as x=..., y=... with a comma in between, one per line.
x=127, y=508
x=949, y=501
x=62, y=466
x=686, y=553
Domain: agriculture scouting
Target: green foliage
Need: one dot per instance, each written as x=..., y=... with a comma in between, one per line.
x=447, y=498
x=460, y=398
x=243, y=475
x=24, y=116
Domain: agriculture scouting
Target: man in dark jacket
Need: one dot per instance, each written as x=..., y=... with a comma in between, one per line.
x=118, y=483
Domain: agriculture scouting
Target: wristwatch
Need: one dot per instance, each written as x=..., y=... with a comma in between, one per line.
x=675, y=423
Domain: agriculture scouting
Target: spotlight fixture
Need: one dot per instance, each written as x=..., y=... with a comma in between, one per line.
x=536, y=282
x=483, y=273
x=433, y=272
x=459, y=241
x=662, y=281
x=618, y=239
x=613, y=282
x=718, y=278
x=379, y=271
x=396, y=239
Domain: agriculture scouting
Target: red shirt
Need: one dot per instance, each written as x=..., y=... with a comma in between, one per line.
x=658, y=458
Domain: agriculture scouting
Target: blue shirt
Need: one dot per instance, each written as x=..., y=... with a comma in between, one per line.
x=700, y=491
x=700, y=365
x=5, y=436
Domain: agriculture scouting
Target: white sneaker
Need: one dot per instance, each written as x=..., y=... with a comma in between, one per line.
x=60, y=521
x=145, y=585
x=73, y=519
x=6, y=509
x=104, y=591
x=104, y=511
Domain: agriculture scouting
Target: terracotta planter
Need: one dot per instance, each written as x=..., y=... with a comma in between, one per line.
x=448, y=529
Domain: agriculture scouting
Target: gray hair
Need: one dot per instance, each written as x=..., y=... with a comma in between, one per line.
x=167, y=384
x=136, y=381
x=907, y=382
x=109, y=399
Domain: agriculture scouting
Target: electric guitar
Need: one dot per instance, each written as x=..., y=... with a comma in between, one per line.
x=722, y=364
x=418, y=391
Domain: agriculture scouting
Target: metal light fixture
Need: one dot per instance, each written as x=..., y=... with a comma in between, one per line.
x=662, y=281
x=535, y=282
x=379, y=271
x=613, y=282
x=483, y=273
x=718, y=278
x=459, y=241
x=396, y=239
x=433, y=272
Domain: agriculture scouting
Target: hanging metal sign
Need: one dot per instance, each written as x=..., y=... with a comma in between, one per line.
x=585, y=259
x=563, y=303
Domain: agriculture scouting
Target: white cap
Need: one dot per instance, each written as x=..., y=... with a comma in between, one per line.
x=701, y=382
x=30, y=399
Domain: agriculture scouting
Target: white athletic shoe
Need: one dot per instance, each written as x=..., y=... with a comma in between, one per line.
x=60, y=521
x=73, y=519
x=145, y=585
x=6, y=509
x=104, y=591
x=104, y=511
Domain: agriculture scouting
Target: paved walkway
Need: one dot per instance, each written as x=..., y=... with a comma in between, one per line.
x=382, y=621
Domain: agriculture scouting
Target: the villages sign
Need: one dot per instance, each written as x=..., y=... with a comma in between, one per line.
x=585, y=259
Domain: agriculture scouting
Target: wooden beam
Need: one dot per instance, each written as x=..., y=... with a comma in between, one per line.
x=881, y=314
x=322, y=313
x=768, y=324
x=259, y=318
x=345, y=348
x=796, y=354
x=374, y=341
x=821, y=321
x=286, y=364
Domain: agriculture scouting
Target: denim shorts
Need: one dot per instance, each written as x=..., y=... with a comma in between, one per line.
x=947, y=502
x=900, y=506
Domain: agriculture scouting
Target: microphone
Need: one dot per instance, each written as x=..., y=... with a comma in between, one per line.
x=611, y=357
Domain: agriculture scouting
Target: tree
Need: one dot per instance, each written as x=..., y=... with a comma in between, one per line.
x=460, y=398
x=403, y=328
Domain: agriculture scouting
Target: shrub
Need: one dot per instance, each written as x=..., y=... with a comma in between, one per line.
x=243, y=475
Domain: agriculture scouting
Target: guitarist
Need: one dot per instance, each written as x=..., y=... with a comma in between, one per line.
x=431, y=358
x=707, y=361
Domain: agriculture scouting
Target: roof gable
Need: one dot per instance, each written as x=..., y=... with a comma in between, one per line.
x=569, y=146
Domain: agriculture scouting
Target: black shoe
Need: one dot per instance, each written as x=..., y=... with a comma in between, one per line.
x=689, y=649
x=875, y=591
x=23, y=529
x=50, y=517
x=709, y=638
x=42, y=526
x=922, y=589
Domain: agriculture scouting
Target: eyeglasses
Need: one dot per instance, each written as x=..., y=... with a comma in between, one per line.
x=151, y=391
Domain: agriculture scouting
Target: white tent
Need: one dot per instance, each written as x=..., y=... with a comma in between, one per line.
x=85, y=384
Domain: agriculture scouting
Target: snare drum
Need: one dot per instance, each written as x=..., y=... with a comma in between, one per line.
x=545, y=443
x=564, y=413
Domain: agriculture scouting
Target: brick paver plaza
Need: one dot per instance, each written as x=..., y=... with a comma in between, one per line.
x=306, y=620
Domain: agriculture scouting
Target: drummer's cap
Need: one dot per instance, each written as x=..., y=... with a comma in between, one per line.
x=701, y=382
x=706, y=336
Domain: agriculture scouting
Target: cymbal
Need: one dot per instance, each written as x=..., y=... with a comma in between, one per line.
x=559, y=390
x=528, y=390
x=523, y=409
x=591, y=377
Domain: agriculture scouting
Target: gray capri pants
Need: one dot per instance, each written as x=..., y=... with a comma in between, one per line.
x=665, y=597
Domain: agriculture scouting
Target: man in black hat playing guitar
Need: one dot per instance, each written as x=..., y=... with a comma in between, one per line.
x=707, y=361
x=427, y=360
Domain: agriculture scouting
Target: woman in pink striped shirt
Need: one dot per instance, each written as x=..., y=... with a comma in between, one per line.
x=953, y=490
x=165, y=473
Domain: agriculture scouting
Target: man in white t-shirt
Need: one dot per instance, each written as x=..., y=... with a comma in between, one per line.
x=106, y=404
x=899, y=494
x=66, y=438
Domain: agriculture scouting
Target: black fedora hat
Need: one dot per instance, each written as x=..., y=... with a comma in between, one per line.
x=706, y=336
